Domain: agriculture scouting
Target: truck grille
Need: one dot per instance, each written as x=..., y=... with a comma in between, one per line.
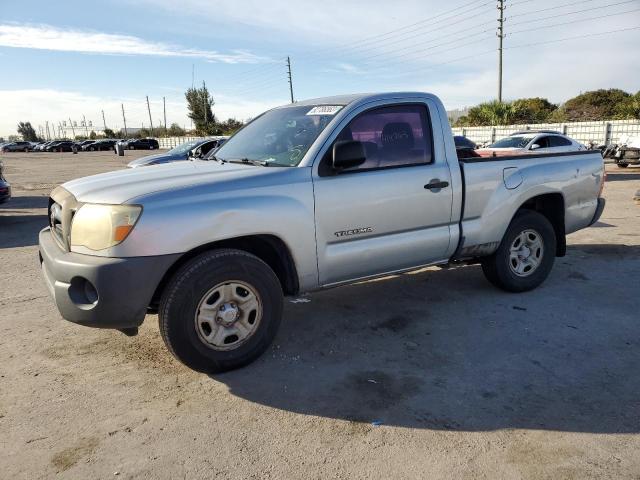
x=62, y=207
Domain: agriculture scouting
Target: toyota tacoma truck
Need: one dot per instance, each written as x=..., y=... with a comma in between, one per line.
x=306, y=196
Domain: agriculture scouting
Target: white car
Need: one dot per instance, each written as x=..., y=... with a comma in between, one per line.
x=542, y=141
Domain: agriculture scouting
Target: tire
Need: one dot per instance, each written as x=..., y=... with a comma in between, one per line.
x=200, y=283
x=93, y=149
x=622, y=165
x=131, y=147
x=500, y=268
x=26, y=150
x=151, y=147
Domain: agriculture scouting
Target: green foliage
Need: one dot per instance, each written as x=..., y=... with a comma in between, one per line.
x=230, y=126
x=490, y=113
x=629, y=108
x=199, y=103
x=92, y=135
x=175, y=130
x=533, y=110
x=27, y=131
x=108, y=133
x=594, y=105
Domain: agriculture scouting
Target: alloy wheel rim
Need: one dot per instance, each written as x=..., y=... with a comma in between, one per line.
x=525, y=253
x=228, y=315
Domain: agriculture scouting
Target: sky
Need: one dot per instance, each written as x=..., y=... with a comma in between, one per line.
x=63, y=60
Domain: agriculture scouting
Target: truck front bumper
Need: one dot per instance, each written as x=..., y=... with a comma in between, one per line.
x=98, y=291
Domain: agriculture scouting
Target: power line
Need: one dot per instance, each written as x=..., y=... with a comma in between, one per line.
x=574, y=12
x=380, y=39
x=572, y=38
x=575, y=21
x=555, y=7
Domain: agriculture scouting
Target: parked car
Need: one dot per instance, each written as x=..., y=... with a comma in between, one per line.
x=465, y=148
x=62, y=146
x=5, y=188
x=307, y=196
x=82, y=143
x=17, y=147
x=140, y=144
x=99, y=145
x=541, y=141
x=40, y=147
x=194, y=149
x=627, y=152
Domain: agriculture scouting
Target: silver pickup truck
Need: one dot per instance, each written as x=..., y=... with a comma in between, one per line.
x=306, y=196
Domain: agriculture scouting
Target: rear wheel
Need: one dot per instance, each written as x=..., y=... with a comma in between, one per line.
x=622, y=165
x=525, y=256
x=221, y=310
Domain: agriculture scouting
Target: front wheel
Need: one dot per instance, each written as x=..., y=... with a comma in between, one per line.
x=622, y=165
x=221, y=310
x=525, y=256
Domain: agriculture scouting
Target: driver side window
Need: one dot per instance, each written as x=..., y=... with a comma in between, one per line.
x=543, y=142
x=394, y=136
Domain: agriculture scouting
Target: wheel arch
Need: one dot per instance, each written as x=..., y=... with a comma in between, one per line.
x=552, y=207
x=269, y=248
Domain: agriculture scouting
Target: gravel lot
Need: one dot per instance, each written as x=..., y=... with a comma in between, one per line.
x=466, y=381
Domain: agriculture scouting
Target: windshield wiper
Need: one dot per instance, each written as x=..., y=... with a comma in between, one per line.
x=214, y=158
x=261, y=163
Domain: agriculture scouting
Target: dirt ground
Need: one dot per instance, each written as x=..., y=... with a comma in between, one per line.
x=434, y=374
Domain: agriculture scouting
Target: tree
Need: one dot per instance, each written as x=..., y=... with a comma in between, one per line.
x=595, y=105
x=199, y=103
x=230, y=126
x=490, y=113
x=629, y=108
x=108, y=133
x=92, y=135
x=175, y=130
x=533, y=110
x=27, y=131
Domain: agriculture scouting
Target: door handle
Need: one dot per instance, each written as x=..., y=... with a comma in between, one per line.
x=436, y=184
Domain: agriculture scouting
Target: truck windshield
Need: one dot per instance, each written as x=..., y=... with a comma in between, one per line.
x=511, y=142
x=280, y=137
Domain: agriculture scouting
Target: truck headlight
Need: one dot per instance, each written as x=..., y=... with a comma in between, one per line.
x=97, y=227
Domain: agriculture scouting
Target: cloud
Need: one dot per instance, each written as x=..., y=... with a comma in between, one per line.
x=39, y=106
x=47, y=37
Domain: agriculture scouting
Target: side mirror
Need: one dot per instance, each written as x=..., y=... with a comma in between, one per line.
x=535, y=146
x=347, y=154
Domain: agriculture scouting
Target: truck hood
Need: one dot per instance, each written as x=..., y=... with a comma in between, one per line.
x=123, y=185
x=157, y=158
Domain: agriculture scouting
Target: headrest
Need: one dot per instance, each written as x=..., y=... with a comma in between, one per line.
x=397, y=135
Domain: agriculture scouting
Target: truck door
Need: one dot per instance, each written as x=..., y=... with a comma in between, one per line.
x=391, y=213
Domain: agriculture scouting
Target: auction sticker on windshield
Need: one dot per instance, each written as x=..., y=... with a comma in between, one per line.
x=325, y=110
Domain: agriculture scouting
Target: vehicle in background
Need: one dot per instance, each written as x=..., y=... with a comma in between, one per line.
x=99, y=145
x=140, y=144
x=5, y=188
x=40, y=147
x=627, y=152
x=307, y=196
x=62, y=146
x=465, y=147
x=35, y=145
x=194, y=149
x=540, y=141
x=81, y=144
x=17, y=147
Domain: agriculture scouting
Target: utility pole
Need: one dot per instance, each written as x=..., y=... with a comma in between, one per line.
x=86, y=130
x=47, y=126
x=73, y=130
x=104, y=122
x=164, y=108
x=126, y=135
x=149, y=110
x=501, y=7
x=204, y=98
x=290, y=79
